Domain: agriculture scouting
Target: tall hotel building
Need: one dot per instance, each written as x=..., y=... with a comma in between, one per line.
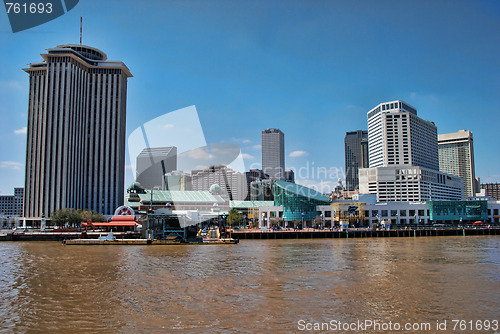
x=76, y=132
x=456, y=156
x=356, y=156
x=273, y=153
x=403, y=157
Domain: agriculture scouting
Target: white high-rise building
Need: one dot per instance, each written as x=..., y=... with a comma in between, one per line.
x=456, y=156
x=397, y=136
x=403, y=157
x=76, y=132
x=273, y=153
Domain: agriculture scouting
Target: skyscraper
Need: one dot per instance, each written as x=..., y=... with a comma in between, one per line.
x=76, y=132
x=356, y=156
x=403, y=155
x=153, y=164
x=397, y=136
x=456, y=156
x=273, y=153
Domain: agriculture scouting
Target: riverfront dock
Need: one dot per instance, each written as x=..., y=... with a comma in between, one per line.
x=147, y=242
x=362, y=233
x=134, y=238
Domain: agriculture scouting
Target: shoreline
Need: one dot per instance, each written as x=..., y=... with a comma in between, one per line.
x=258, y=234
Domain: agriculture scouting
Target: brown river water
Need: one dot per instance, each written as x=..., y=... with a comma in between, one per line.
x=257, y=286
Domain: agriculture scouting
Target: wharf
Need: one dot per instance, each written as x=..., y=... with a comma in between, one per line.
x=60, y=236
x=147, y=242
x=362, y=233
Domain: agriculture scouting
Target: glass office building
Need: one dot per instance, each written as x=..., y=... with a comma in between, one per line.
x=299, y=202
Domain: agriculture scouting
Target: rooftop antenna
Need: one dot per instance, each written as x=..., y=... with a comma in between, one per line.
x=80, y=30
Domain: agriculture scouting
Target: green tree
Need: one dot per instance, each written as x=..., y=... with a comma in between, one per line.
x=63, y=216
x=235, y=217
x=75, y=217
x=86, y=215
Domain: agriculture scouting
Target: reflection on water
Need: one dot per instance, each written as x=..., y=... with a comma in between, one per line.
x=256, y=286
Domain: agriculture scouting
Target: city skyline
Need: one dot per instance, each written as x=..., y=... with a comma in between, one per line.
x=263, y=65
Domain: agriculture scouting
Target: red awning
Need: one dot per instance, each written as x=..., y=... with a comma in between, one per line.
x=122, y=218
x=112, y=224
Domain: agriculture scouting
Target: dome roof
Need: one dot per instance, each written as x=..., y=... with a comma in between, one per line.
x=215, y=189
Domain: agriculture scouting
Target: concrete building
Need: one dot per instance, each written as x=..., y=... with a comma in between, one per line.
x=178, y=180
x=356, y=156
x=456, y=156
x=289, y=176
x=12, y=205
x=273, y=153
x=492, y=190
x=409, y=183
x=397, y=136
x=232, y=184
x=262, y=190
x=153, y=164
x=254, y=175
x=75, y=155
x=404, y=160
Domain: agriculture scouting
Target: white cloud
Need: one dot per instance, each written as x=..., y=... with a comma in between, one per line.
x=21, y=131
x=11, y=165
x=297, y=154
x=247, y=156
x=257, y=147
x=246, y=141
x=168, y=126
x=198, y=154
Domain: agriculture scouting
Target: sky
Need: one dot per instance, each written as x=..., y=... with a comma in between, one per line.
x=310, y=68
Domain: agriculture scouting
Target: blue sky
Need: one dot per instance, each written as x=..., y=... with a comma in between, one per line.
x=311, y=68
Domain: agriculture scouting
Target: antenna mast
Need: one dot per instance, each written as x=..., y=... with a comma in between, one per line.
x=80, y=30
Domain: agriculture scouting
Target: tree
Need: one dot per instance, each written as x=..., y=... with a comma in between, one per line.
x=63, y=216
x=75, y=217
x=235, y=217
x=93, y=216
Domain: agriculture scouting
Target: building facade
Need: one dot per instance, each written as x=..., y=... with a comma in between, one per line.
x=397, y=136
x=12, y=205
x=356, y=156
x=232, y=184
x=153, y=164
x=409, y=183
x=289, y=176
x=298, y=202
x=254, y=175
x=404, y=159
x=492, y=190
x=75, y=155
x=273, y=153
x=456, y=156
x=178, y=180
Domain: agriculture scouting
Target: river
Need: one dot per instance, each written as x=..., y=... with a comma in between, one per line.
x=257, y=286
